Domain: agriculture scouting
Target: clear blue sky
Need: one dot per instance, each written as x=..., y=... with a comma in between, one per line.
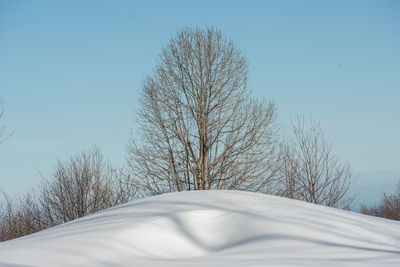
x=70, y=72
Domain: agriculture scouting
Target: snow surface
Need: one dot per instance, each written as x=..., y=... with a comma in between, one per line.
x=212, y=228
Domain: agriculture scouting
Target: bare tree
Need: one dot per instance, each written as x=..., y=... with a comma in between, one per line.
x=199, y=129
x=309, y=169
x=85, y=184
x=3, y=135
x=389, y=206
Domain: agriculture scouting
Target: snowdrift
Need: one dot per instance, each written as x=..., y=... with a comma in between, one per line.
x=212, y=228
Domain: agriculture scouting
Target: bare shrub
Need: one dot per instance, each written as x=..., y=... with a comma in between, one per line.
x=83, y=185
x=19, y=217
x=388, y=208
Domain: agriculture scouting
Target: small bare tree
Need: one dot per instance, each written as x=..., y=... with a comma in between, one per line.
x=309, y=169
x=199, y=129
x=83, y=185
x=389, y=206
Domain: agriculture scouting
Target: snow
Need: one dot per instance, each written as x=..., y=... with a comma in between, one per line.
x=212, y=228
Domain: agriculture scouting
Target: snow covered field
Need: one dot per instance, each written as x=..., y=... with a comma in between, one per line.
x=212, y=228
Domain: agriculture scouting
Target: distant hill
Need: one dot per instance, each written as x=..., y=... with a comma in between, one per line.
x=370, y=186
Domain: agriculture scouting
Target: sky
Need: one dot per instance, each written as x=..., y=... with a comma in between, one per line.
x=71, y=73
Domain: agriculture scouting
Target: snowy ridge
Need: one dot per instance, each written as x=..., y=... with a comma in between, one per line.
x=212, y=228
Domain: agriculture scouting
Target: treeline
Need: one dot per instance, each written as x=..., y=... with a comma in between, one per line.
x=84, y=184
x=199, y=129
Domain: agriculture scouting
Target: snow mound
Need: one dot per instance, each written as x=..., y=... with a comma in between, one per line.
x=212, y=228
